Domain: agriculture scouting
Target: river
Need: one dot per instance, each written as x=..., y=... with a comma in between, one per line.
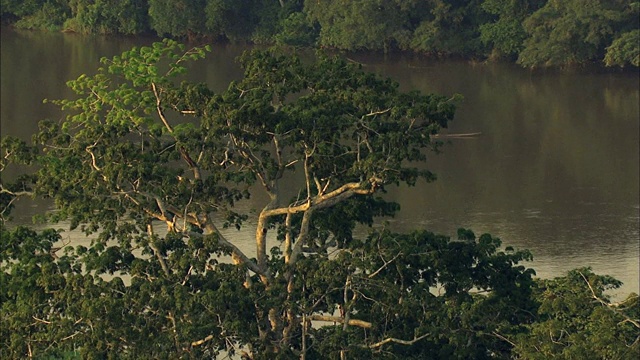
x=555, y=169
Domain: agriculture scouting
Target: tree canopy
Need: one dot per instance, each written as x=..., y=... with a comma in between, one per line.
x=153, y=169
x=535, y=33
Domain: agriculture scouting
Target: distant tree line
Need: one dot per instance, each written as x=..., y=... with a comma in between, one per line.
x=535, y=33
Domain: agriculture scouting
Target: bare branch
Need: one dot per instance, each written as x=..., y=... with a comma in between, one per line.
x=339, y=320
x=398, y=341
x=307, y=173
x=323, y=201
x=93, y=159
x=200, y=342
x=370, y=129
x=384, y=265
x=373, y=113
x=287, y=238
x=326, y=186
x=16, y=195
x=238, y=257
x=612, y=306
x=159, y=108
x=163, y=263
x=318, y=186
x=183, y=151
x=304, y=232
x=70, y=336
x=40, y=320
x=503, y=338
x=346, y=303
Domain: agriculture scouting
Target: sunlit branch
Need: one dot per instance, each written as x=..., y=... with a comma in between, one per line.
x=609, y=305
x=398, y=341
x=384, y=265
x=161, y=260
x=339, y=320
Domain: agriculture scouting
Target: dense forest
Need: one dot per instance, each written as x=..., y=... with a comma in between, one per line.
x=534, y=33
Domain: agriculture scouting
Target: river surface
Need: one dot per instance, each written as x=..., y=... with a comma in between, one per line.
x=555, y=169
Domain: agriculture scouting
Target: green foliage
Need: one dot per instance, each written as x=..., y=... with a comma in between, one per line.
x=533, y=32
x=21, y=8
x=423, y=286
x=625, y=50
x=576, y=320
x=106, y=16
x=451, y=28
x=570, y=32
x=49, y=15
x=388, y=278
x=178, y=18
x=506, y=34
x=363, y=24
x=247, y=20
x=234, y=20
x=297, y=30
x=54, y=305
x=270, y=15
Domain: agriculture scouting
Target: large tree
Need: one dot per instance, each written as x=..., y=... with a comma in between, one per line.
x=153, y=169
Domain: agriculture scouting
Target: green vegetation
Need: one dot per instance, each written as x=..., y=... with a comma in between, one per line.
x=535, y=33
x=569, y=32
x=154, y=170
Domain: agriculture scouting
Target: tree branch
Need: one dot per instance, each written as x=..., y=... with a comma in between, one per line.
x=322, y=201
x=609, y=305
x=373, y=113
x=40, y=320
x=384, y=265
x=337, y=319
x=200, y=342
x=501, y=337
x=287, y=238
x=239, y=258
x=185, y=155
x=159, y=108
x=304, y=232
x=163, y=263
x=398, y=341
